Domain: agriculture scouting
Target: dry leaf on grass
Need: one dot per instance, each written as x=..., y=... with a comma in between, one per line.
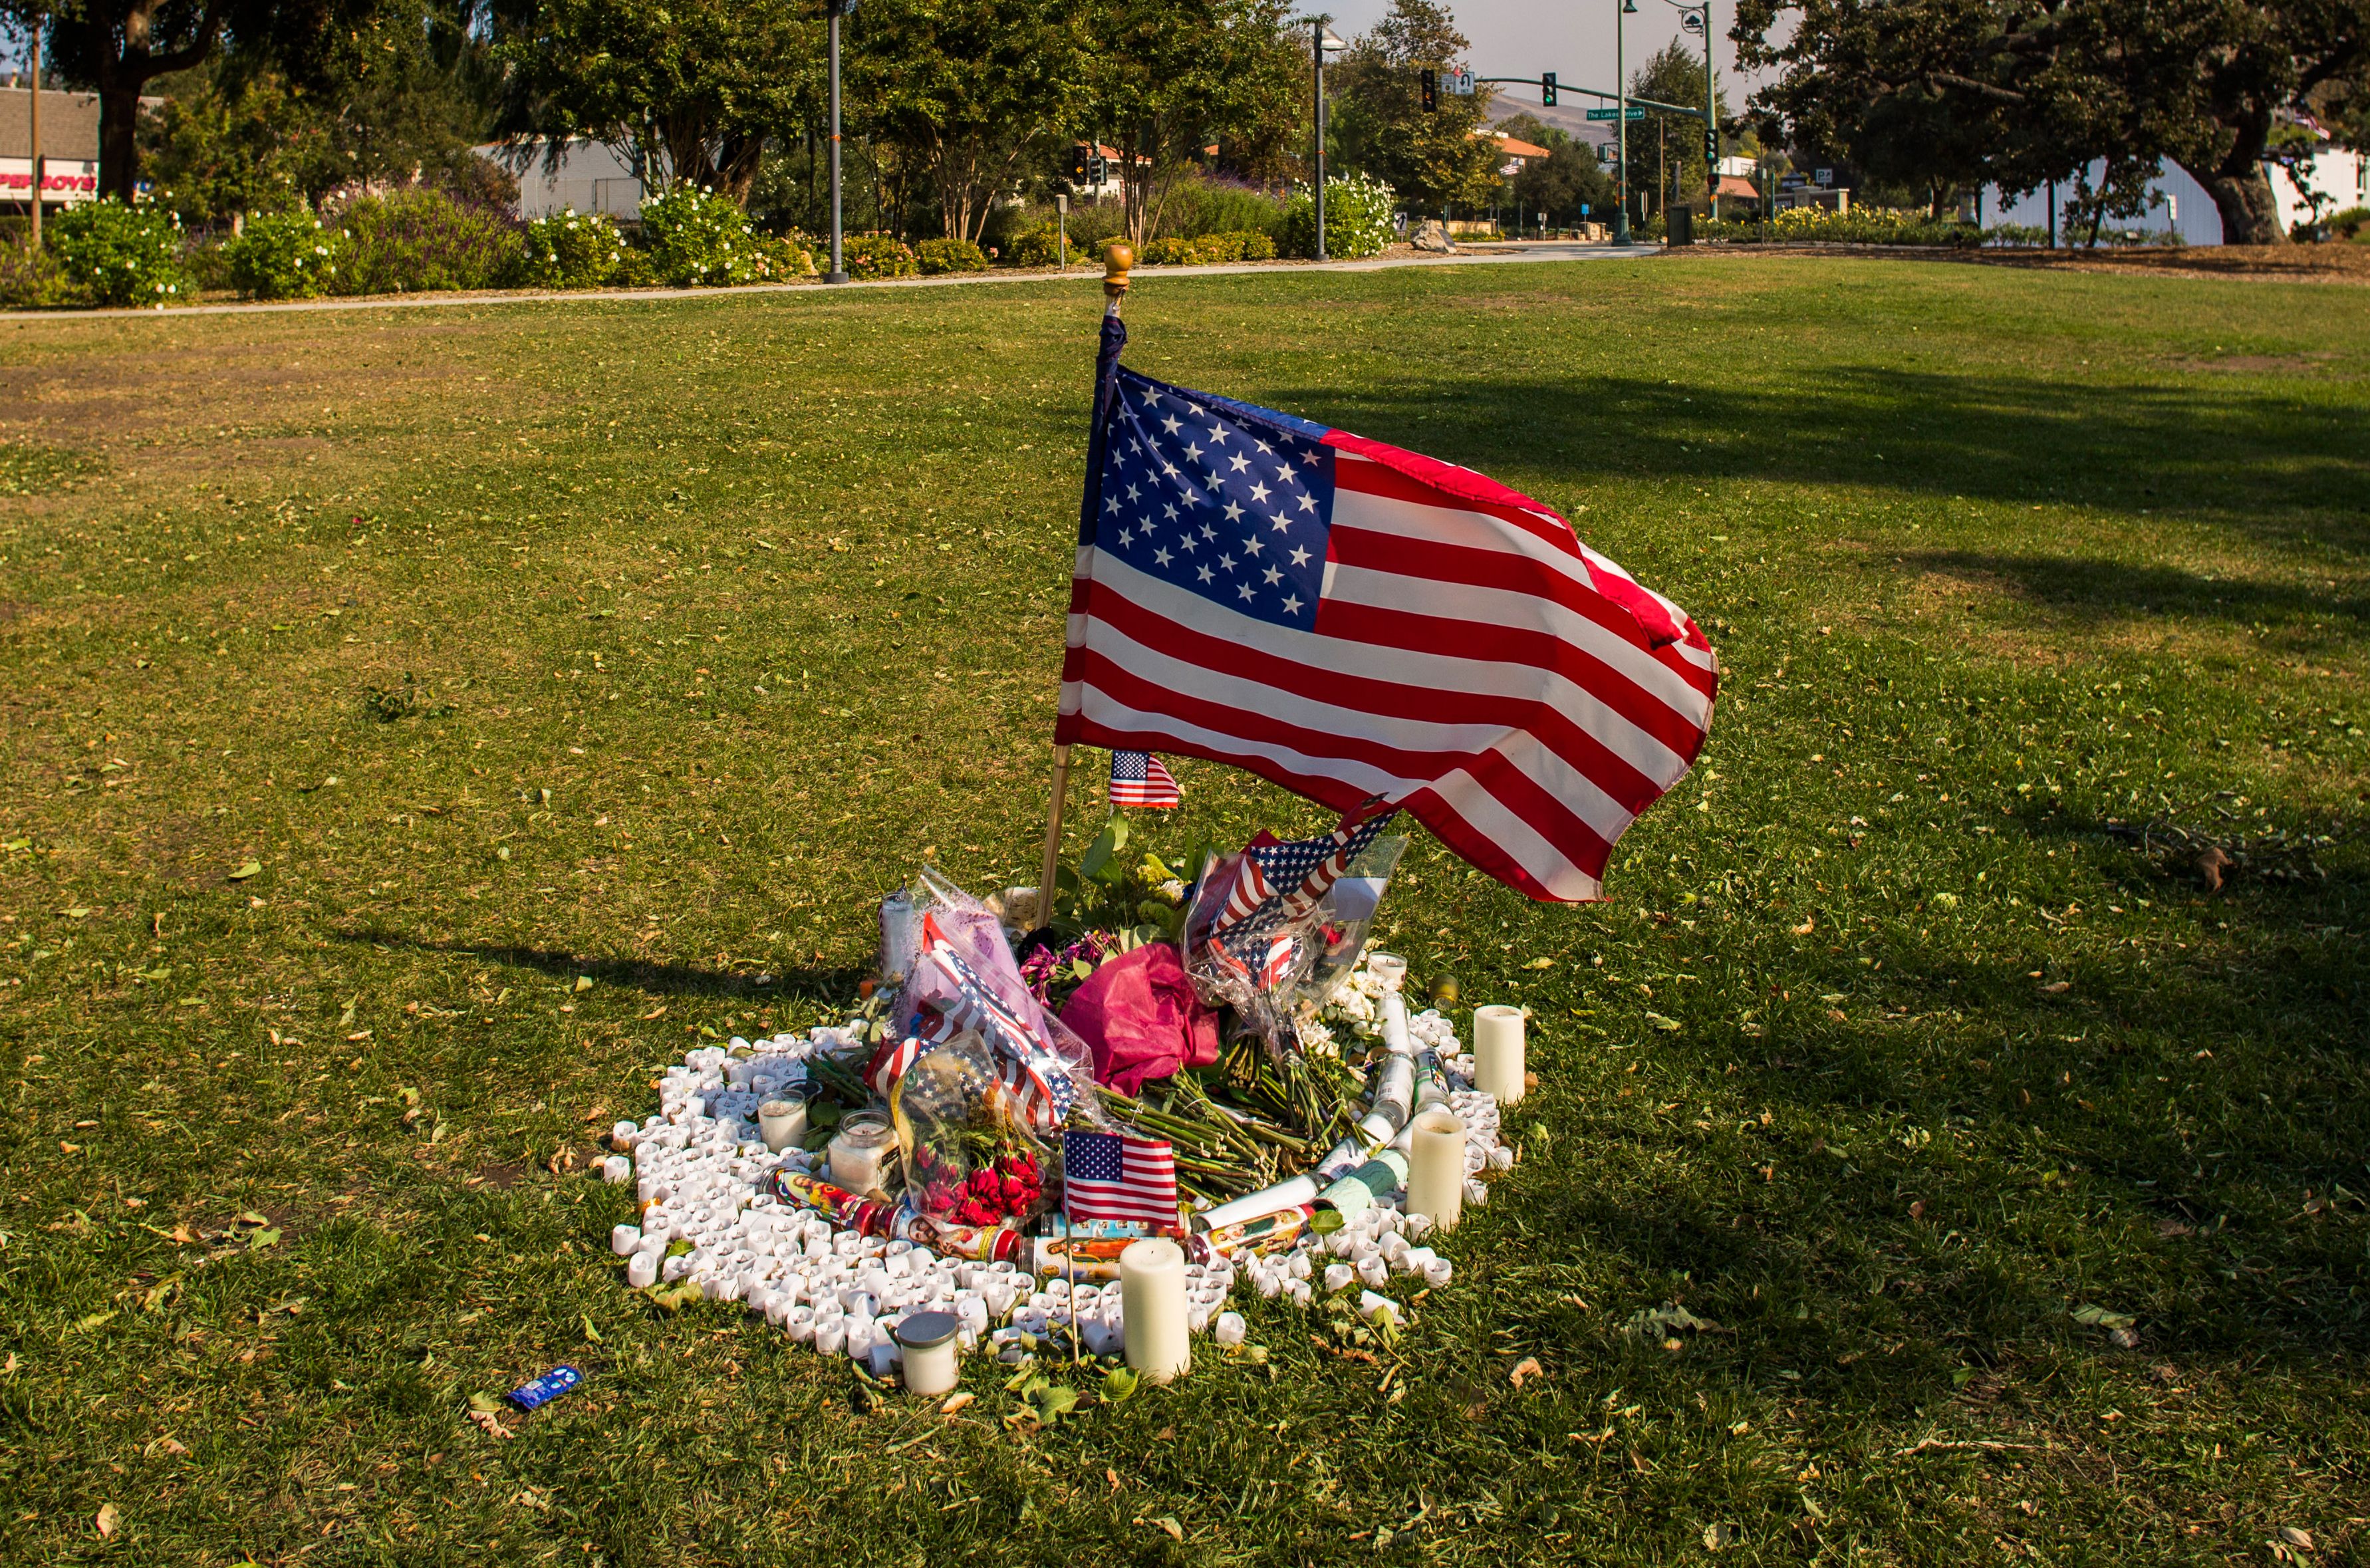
x=956, y=1401
x=1526, y=1370
x=487, y=1423
x=105, y=1520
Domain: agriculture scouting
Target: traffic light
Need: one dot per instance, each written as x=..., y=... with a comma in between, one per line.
x=1547, y=90
x=1097, y=170
x=1431, y=90
x=1078, y=165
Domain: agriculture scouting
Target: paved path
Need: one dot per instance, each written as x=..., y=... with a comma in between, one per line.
x=1522, y=250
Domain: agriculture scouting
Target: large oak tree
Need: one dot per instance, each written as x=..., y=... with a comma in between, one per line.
x=2018, y=92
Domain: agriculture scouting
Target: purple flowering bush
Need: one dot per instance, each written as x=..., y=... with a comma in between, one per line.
x=408, y=241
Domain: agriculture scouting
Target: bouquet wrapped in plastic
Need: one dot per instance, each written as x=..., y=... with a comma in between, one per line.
x=1275, y=922
x=969, y=1156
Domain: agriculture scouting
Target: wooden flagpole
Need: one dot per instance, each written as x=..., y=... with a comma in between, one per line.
x=1117, y=260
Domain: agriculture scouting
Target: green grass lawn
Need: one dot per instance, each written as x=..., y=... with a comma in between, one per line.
x=415, y=727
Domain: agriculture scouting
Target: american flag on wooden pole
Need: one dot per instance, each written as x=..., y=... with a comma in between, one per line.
x=1355, y=621
x=1139, y=779
x=1118, y=1176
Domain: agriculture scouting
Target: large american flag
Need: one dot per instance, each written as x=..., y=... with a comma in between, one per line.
x=1115, y=1176
x=1351, y=620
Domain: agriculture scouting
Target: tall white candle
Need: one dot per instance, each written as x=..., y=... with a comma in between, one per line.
x=1498, y=1052
x=1152, y=1301
x=1436, y=1168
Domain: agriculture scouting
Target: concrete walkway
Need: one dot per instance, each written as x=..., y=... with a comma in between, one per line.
x=1518, y=250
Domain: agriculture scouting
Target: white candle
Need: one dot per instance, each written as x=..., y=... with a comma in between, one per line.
x=1436, y=1170
x=1152, y=1298
x=1388, y=969
x=783, y=1122
x=928, y=1341
x=860, y=1153
x=1498, y=1053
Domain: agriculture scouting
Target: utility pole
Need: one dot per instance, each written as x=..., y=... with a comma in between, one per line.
x=1621, y=120
x=838, y=274
x=1711, y=123
x=35, y=107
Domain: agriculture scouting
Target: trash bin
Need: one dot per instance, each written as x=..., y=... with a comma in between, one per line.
x=1683, y=226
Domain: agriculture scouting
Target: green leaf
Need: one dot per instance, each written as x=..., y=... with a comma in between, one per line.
x=251, y=868
x=590, y=1332
x=268, y=1237
x=2099, y=1317
x=1120, y=1385
x=1054, y=1402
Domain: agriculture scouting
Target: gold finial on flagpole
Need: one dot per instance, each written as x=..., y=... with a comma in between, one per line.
x=1117, y=259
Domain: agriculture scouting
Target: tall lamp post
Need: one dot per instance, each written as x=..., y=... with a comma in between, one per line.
x=835, y=9
x=1698, y=19
x=1322, y=42
x=35, y=106
x=1621, y=120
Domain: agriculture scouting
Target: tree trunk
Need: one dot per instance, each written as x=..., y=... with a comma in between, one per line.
x=2241, y=191
x=2251, y=215
x=118, y=128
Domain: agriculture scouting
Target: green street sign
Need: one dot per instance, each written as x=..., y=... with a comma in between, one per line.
x=1614, y=114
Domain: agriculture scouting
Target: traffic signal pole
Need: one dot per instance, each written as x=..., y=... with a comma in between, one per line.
x=838, y=274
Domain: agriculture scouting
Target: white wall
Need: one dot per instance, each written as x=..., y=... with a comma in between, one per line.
x=591, y=177
x=2183, y=204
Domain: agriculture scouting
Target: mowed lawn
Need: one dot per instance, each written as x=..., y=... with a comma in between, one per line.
x=415, y=727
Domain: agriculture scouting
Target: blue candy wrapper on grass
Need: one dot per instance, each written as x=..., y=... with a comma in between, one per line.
x=546, y=1388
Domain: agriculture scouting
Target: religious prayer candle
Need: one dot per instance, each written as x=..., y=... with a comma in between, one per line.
x=1152, y=1293
x=928, y=1339
x=860, y=1152
x=1436, y=1170
x=1498, y=1053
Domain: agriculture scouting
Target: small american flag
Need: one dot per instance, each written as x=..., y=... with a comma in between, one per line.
x=1114, y=1176
x=1351, y=620
x=1139, y=779
x=1305, y=869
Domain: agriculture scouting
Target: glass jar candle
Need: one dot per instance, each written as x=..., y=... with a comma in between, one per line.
x=860, y=1153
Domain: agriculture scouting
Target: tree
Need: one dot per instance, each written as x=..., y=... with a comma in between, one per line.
x=1674, y=74
x=967, y=90
x=1166, y=78
x=1434, y=159
x=704, y=82
x=400, y=100
x=2018, y=92
x=117, y=47
x=1564, y=182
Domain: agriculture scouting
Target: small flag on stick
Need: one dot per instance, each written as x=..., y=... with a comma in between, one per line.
x=1139, y=779
x=1114, y=1176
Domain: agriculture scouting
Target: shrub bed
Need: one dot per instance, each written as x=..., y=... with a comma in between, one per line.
x=878, y=256
x=1207, y=249
x=572, y=250
x=289, y=255
x=110, y=254
x=416, y=241
x=935, y=257
x=1358, y=211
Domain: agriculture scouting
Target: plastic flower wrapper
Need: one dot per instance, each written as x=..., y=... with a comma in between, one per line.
x=969, y=1157
x=1257, y=977
x=964, y=977
x=1344, y=916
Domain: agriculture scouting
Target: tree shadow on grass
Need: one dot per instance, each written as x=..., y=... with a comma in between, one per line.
x=2088, y=587
x=641, y=974
x=2269, y=465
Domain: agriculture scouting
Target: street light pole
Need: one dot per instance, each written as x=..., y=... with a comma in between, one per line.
x=1316, y=53
x=35, y=106
x=1621, y=120
x=1711, y=122
x=838, y=274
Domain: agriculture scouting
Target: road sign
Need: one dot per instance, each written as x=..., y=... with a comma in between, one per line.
x=1614, y=113
x=1824, y=179
x=1458, y=81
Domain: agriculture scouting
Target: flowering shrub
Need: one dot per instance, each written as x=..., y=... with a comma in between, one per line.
x=111, y=254
x=1205, y=249
x=1358, y=210
x=290, y=254
x=1038, y=245
x=878, y=256
x=699, y=239
x=568, y=250
x=415, y=240
x=1874, y=226
x=781, y=258
x=935, y=256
